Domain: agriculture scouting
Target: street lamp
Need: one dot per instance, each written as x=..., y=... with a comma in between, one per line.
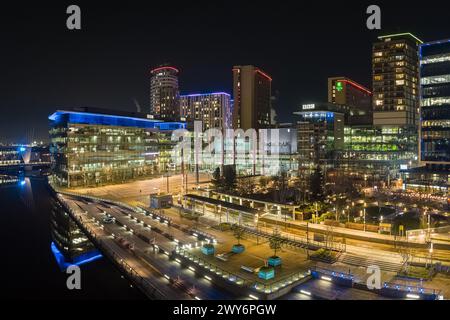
x=257, y=229
x=365, y=215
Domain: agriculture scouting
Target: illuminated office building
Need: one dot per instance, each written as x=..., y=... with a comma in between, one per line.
x=356, y=98
x=252, y=98
x=10, y=155
x=320, y=134
x=164, y=93
x=391, y=144
x=395, y=66
x=373, y=155
x=213, y=109
x=92, y=147
x=434, y=175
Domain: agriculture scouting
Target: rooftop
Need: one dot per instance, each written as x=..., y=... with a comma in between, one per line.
x=85, y=115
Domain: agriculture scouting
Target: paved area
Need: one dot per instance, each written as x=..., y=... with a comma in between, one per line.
x=327, y=290
x=141, y=189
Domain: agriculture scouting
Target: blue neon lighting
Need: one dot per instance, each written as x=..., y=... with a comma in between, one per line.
x=22, y=183
x=80, y=260
x=434, y=43
x=22, y=149
x=113, y=120
x=206, y=94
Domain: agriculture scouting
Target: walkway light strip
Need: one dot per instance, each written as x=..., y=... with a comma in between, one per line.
x=191, y=268
x=208, y=278
x=326, y=278
x=197, y=298
x=167, y=277
x=412, y=296
x=305, y=292
x=178, y=260
x=253, y=297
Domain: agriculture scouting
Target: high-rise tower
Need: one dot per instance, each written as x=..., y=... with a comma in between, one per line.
x=164, y=93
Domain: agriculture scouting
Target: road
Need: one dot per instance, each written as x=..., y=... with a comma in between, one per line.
x=154, y=265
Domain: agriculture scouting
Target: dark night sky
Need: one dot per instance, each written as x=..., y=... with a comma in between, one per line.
x=45, y=66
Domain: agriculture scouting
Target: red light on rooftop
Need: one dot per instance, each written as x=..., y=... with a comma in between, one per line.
x=354, y=84
x=264, y=74
x=164, y=68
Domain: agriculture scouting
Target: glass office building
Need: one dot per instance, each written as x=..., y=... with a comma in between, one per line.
x=93, y=147
x=435, y=104
x=373, y=154
x=434, y=175
x=320, y=134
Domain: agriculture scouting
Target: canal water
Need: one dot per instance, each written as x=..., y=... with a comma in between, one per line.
x=29, y=267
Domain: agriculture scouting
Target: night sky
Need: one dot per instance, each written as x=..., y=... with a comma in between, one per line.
x=45, y=66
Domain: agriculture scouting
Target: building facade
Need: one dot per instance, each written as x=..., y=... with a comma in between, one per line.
x=164, y=93
x=213, y=109
x=357, y=98
x=92, y=147
x=252, y=98
x=395, y=66
x=396, y=95
x=434, y=149
x=435, y=104
x=320, y=135
x=373, y=155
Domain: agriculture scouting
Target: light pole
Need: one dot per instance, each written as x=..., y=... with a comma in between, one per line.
x=257, y=229
x=364, y=216
x=316, y=211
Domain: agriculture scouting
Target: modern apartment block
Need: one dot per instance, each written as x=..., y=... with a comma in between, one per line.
x=356, y=98
x=213, y=109
x=164, y=93
x=391, y=144
x=93, y=147
x=395, y=66
x=252, y=98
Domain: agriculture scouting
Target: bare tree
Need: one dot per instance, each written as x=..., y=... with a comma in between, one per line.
x=275, y=241
x=281, y=183
x=245, y=186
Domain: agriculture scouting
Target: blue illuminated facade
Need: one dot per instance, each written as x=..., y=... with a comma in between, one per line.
x=94, y=147
x=435, y=104
x=434, y=139
x=112, y=120
x=320, y=135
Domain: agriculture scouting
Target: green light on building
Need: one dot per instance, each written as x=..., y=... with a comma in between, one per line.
x=339, y=86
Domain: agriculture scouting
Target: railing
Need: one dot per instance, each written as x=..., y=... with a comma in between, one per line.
x=297, y=242
x=212, y=267
x=280, y=284
x=411, y=289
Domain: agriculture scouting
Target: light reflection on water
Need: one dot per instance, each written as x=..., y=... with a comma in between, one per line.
x=26, y=217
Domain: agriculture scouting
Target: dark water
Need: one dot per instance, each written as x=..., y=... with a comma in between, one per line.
x=28, y=266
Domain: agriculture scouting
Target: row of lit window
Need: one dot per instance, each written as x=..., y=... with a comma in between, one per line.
x=435, y=79
x=436, y=59
x=436, y=123
x=429, y=102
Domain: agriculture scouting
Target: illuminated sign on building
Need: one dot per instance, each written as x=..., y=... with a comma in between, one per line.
x=339, y=86
x=310, y=106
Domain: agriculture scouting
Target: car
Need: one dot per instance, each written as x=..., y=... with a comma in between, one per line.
x=108, y=220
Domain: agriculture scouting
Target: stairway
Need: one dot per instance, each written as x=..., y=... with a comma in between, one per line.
x=365, y=262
